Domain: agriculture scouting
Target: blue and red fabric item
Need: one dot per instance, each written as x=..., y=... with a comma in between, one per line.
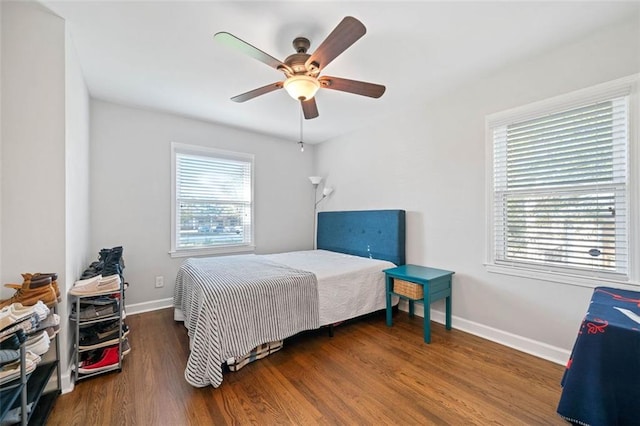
x=601, y=384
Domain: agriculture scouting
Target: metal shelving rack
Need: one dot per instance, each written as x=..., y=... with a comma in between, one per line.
x=77, y=351
x=32, y=388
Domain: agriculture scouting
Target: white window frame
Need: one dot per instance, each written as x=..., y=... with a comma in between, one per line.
x=179, y=148
x=621, y=87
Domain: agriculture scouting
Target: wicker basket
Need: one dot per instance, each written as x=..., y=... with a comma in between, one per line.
x=405, y=288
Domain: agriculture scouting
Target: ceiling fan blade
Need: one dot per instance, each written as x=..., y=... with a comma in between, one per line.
x=348, y=31
x=352, y=86
x=309, y=108
x=257, y=92
x=246, y=48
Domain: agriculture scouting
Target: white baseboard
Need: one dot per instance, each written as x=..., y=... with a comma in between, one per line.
x=153, y=305
x=523, y=344
x=67, y=383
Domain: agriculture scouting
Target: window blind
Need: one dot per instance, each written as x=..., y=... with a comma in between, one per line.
x=560, y=189
x=213, y=201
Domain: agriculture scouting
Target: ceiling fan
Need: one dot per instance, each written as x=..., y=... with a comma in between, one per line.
x=302, y=69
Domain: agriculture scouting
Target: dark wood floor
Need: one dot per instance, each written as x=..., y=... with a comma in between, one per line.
x=366, y=374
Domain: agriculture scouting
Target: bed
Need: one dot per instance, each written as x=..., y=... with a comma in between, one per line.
x=233, y=304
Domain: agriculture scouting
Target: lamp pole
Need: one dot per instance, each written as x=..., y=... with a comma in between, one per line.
x=315, y=180
x=315, y=213
x=326, y=191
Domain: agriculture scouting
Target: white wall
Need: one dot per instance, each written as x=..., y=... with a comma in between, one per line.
x=432, y=163
x=130, y=175
x=45, y=131
x=1, y=132
x=76, y=208
x=33, y=148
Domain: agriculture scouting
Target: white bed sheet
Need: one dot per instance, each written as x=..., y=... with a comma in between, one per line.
x=348, y=286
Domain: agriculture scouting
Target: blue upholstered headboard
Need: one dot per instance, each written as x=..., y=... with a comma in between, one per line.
x=379, y=234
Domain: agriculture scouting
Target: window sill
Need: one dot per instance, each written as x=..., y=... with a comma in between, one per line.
x=562, y=278
x=218, y=251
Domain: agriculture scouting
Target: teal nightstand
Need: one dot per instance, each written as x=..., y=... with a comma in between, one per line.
x=436, y=285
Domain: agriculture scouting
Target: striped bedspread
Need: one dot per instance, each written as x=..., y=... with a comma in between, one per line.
x=233, y=304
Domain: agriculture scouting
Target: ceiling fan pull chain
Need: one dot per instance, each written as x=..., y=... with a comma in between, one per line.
x=301, y=143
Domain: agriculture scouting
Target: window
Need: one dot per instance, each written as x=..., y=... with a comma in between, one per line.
x=561, y=194
x=212, y=202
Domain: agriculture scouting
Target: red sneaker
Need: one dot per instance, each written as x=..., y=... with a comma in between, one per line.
x=108, y=360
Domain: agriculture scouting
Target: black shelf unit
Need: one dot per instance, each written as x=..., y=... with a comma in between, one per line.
x=31, y=388
x=36, y=394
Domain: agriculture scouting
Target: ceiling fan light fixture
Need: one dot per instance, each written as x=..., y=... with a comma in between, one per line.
x=301, y=87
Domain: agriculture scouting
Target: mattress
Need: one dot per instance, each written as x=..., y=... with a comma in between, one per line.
x=348, y=286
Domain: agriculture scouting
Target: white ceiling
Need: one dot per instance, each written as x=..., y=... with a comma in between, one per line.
x=161, y=54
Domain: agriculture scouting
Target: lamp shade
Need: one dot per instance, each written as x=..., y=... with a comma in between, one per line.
x=327, y=191
x=301, y=87
x=315, y=179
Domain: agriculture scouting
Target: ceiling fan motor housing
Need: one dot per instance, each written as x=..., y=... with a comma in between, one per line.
x=297, y=62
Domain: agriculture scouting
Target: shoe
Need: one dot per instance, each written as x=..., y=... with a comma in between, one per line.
x=86, y=281
x=13, y=416
x=39, y=309
x=103, y=330
x=35, y=278
x=13, y=341
x=99, y=335
x=52, y=321
x=10, y=372
x=125, y=347
x=108, y=360
x=93, y=270
x=113, y=259
x=109, y=262
x=97, y=286
x=52, y=331
x=8, y=355
x=94, y=312
x=16, y=312
x=38, y=343
x=98, y=301
x=8, y=317
x=30, y=293
x=27, y=325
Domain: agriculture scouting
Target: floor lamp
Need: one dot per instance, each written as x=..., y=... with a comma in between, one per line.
x=326, y=191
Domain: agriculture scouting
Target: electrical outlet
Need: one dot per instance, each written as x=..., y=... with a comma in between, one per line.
x=159, y=282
